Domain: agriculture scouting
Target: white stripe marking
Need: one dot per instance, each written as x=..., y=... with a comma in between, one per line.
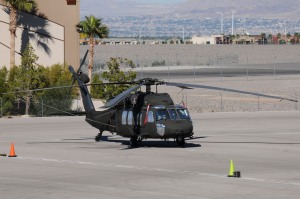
x=159, y=170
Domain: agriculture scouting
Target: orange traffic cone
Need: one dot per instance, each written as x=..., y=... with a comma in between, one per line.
x=12, y=151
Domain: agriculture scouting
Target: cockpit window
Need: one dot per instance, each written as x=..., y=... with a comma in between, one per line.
x=162, y=114
x=173, y=114
x=183, y=114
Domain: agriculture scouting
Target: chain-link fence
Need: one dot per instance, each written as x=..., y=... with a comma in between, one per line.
x=197, y=100
x=152, y=56
x=271, y=70
x=216, y=67
x=41, y=107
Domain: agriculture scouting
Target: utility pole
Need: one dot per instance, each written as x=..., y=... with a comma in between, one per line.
x=232, y=23
x=222, y=16
x=183, y=34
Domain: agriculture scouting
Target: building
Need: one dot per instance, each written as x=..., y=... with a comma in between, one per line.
x=213, y=39
x=244, y=39
x=51, y=32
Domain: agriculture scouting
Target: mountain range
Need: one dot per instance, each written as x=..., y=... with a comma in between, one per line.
x=276, y=9
x=287, y=9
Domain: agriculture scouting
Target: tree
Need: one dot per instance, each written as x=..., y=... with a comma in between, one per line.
x=3, y=78
x=55, y=100
x=263, y=37
x=17, y=5
x=28, y=78
x=3, y=87
x=97, y=91
x=50, y=101
x=288, y=36
x=231, y=38
x=115, y=74
x=279, y=38
x=92, y=27
x=270, y=38
x=296, y=37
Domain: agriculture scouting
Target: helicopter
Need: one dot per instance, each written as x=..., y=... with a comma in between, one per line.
x=141, y=115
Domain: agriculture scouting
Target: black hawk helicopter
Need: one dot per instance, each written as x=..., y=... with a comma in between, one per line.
x=140, y=115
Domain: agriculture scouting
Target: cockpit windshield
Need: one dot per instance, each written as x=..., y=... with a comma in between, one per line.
x=183, y=114
x=173, y=114
x=162, y=114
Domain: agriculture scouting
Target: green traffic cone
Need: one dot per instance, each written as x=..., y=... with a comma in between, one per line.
x=231, y=169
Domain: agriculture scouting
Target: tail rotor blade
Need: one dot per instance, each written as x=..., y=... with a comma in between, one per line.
x=74, y=78
x=83, y=60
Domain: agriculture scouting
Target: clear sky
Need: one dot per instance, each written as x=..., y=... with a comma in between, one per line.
x=160, y=1
x=105, y=8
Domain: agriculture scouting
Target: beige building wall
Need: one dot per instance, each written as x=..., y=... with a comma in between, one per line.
x=68, y=16
x=58, y=37
x=203, y=40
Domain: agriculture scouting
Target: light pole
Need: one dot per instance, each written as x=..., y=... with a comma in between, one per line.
x=232, y=23
x=222, y=16
x=274, y=69
x=183, y=35
x=222, y=21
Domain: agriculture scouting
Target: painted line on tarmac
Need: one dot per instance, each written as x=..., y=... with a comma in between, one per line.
x=271, y=181
x=249, y=134
x=159, y=170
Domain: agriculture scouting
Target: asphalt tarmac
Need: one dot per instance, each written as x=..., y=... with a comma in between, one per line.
x=58, y=158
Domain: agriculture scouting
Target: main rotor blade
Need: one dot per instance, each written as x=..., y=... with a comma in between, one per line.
x=189, y=86
x=69, y=86
x=121, y=96
x=40, y=89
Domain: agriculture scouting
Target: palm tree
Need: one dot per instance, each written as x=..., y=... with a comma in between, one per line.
x=92, y=27
x=17, y=5
x=297, y=36
x=279, y=37
x=288, y=36
x=270, y=38
x=263, y=38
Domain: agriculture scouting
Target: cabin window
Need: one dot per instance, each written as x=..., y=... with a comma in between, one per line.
x=124, y=117
x=130, y=118
x=150, y=116
x=149, y=119
x=173, y=114
x=162, y=114
x=183, y=114
x=141, y=118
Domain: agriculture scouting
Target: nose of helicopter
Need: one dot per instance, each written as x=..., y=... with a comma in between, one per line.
x=175, y=128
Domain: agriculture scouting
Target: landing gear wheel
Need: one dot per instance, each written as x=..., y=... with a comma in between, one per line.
x=180, y=141
x=133, y=142
x=98, y=137
x=191, y=137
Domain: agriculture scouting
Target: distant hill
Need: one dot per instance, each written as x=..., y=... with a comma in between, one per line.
x=288, y=9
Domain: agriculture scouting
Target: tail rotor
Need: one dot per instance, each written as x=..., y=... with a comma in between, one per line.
x=80, y=74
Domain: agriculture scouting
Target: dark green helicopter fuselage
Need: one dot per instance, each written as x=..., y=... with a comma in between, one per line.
x=146, y=115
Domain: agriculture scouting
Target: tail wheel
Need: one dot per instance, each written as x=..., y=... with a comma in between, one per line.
x=180, y=141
